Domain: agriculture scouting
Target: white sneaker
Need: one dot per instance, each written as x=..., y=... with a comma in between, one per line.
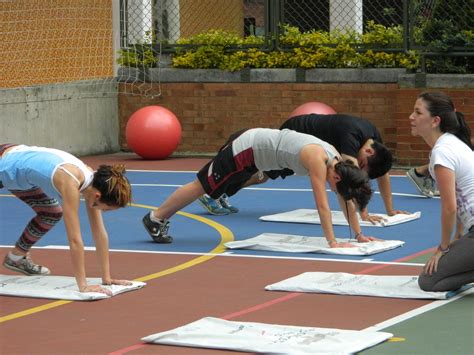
x=425, y=184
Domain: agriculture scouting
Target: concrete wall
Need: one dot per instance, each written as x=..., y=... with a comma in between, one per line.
x=80, y=118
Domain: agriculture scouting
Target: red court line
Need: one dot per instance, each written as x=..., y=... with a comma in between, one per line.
x=262, y=305
x=278, y=300
x=229, y=316
x=420, y=253
x=128, y=348
x=405, y=258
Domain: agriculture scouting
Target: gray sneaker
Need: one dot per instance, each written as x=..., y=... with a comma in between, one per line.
x=26, y=266
x=158, y=230
x=225, y=203
x=425, y=184
x=213, y=206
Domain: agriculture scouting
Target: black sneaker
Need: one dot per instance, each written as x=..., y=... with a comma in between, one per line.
x=158, y=230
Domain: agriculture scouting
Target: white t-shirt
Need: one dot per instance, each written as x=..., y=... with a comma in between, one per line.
x=450, y=152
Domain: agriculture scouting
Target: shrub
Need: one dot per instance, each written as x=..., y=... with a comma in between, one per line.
x=443, y=28
x=315, y=49
x=308, y=50
x=137, y=56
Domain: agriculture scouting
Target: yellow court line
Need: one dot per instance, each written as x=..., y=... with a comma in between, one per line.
x=30, y=311
x=395, y=339
x=226, y=236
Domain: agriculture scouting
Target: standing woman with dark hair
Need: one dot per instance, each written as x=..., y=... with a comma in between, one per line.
x=444, y=129
x=42, y=176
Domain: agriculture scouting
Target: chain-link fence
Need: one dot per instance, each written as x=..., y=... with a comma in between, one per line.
x=341, y=15
x=443, y=31
x=434, y=28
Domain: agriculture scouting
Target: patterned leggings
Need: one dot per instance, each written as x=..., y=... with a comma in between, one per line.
x=48, y=213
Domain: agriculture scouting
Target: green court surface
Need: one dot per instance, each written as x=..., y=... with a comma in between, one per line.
x=422, y=259
x=433, y=332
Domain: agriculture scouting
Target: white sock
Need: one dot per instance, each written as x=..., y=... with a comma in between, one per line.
x=154, y=219
x=15, y=257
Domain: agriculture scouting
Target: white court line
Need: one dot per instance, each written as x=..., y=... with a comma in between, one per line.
x=194, y=172
x=416, y=312
x=162, y=171
x=157, y=185
x=281, y=189
x=232, y=254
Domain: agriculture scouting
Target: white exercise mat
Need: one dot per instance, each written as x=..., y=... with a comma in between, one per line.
x=57, y=287
x=359, y=285
x=312, y=217
x=302, y=244
x=217, y=333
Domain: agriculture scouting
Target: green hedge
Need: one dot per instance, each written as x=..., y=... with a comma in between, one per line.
x=308, y=50
x=218, y=49
x=450, y=24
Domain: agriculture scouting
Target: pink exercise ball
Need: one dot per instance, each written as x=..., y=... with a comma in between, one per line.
x=153, y=132
x=313, y=107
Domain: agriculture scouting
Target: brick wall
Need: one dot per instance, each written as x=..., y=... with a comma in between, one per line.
x=210, y=112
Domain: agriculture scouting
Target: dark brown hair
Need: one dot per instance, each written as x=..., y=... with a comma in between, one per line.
x=354, y=183
x=113, y=186
x=439, y=104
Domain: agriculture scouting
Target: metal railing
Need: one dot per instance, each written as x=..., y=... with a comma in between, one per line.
x=439, y=30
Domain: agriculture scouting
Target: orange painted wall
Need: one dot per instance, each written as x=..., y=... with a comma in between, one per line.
x=55, y=41
x=198, y=16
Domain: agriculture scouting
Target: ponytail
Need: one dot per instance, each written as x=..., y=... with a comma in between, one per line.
x=464, y=132
x=113, y=186
x=354, y=183
x=439, y=104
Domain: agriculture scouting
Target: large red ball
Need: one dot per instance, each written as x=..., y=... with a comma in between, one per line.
x=153, y=132
x=313, y=107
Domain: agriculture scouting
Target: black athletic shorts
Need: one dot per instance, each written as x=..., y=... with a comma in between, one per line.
x=227, y=173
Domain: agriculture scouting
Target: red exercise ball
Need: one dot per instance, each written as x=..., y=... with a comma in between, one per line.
x=153, y=132
x=313, y=107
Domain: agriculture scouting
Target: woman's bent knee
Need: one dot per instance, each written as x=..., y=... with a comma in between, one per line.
x=426, y=282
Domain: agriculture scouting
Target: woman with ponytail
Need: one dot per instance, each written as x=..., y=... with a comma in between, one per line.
x=42, y=177
x=262, y=149
x=444, y=129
